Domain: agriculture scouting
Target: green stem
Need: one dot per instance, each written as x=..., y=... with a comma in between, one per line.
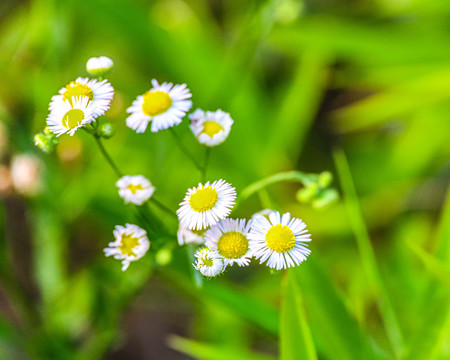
x=297, y=176
x=106, y=156
x=185, y=150
x=163, y=207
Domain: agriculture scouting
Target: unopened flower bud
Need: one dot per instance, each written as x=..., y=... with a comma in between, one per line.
x=307, y=193
x=42, y=142
x=325, y=179
x=99, y=66
x=325, y=198
x=107, y=130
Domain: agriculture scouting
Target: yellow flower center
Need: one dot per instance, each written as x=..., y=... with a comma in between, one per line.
x=211, y=128
x=128, y=244
x=207, y=261
x=76, y=89
x=280, y=238
x=203, y=199
x=134, y=188
x=72, y=118
x=200, y=232
x=232, y=245
x=156, y=103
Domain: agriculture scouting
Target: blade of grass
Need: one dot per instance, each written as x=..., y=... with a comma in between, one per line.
x=212, y=352
x=367, y=254
x=295, y=336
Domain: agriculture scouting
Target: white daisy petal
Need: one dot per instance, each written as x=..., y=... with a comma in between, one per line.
x=164, y=106
x=68, y=117
x=210, y=128
x=206, y=204
x=209, y=262
x=280, y=240
x=99, y=66
x=99, y=93
x=135, y=189
x=186, y=236
x=229, y=238
x=131, y=244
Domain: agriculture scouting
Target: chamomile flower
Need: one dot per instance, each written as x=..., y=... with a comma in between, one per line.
x=229, y=238
x=164, y=106
x=99, y=93
x=135, y=189
x=131, y=244
x=210, y=128
x=68, y=116
x=280, y=240
x=99, y=66
x=186, y=236
x=209, y=262
x=205, y=205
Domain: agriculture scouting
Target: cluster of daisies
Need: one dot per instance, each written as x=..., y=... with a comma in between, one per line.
x=279, y=240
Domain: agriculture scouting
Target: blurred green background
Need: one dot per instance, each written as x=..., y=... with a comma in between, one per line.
x=358, y=87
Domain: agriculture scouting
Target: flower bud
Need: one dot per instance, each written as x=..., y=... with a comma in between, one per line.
x=107, y=130
x=325, y=198
x=99, y=66
x=325, y=179
x=43, y=142
x=307, y=193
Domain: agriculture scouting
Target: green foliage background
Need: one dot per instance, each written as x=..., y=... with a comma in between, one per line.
x=357, y=87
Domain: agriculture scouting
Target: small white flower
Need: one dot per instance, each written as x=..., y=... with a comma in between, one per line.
x=99, y=66
x=208, y=262
x=279, y=240
x=131, y=244
x=264, y=213
x=205, y=205
x=186, y=236
x=99, y=93
x=211, y=128
x=135, y=189
x=164, y=106
x=229, y=238
x=68, y=116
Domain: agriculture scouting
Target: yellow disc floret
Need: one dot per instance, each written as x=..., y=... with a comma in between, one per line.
x=232, y=245
x=280, y=238
x=72, y=118
x=203, y=199
x=128, y=244
x=75, y=89
x=134, y=188
x=207, y=261
x=211, y=128
x=156, y=103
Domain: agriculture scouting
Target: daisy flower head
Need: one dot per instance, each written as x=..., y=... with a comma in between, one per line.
x=99, y=66
x=205, y=205
x=99, y=93
x=68, y=116
x=280, y=240
x=135, y=189
x=209, y=262
x=211, y=128
x=229, y=238
x=131, y=244
x=186, y=236
x=163, y=105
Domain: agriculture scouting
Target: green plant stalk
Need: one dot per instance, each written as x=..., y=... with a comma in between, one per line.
x=185, y=150
x=367, y=254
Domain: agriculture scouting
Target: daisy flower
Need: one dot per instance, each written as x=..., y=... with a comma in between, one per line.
x=279, y=240
x=100, y=93
x=208, y=262
x=131, y=244
x=210, y=128
x=205, y=205
x=229, y=238
x=164, y=106
x=135, y=189
x=68, y=116
x=99, y=66
x=186, y=236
